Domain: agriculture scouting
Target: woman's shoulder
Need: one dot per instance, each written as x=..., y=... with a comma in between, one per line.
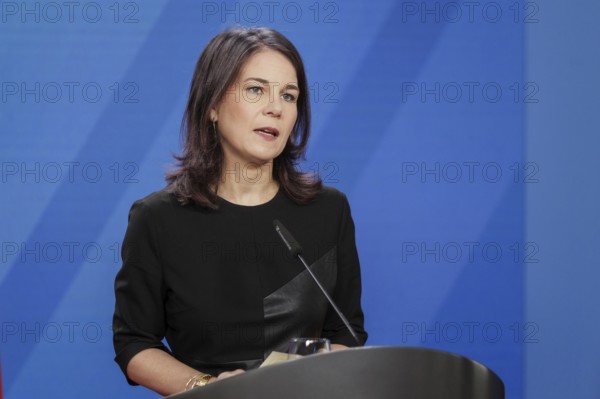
x=157, y=201
x=331, y=195
x=329, y=201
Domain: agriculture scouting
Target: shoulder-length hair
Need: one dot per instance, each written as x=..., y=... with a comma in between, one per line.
x=199, y=168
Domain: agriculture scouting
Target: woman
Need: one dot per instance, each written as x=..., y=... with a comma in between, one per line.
x=202, y=265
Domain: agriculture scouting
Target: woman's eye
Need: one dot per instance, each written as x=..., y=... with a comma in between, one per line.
x=255, y=89
x=289, y=97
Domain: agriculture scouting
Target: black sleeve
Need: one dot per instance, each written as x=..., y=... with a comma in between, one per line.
x=347, y=294
x=139, y=318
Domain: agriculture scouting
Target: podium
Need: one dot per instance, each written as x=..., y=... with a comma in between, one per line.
x=362, y=373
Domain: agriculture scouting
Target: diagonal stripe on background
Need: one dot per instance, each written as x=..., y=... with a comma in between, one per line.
x=472, y=299
x=123, y=133
x=353, y=140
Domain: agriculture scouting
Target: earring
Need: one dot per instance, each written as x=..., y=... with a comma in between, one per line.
x=214, y=127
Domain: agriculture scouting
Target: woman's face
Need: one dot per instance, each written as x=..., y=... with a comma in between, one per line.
x=257, y=114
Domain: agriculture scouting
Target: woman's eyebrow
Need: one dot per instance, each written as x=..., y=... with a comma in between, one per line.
x=289, y=86
x=260, y=80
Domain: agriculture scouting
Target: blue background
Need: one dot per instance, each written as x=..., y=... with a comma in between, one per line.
x=465, y=136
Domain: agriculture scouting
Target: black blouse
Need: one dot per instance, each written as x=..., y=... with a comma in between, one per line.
x=222, y=288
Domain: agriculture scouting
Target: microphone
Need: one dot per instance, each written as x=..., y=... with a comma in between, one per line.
x=296, y=250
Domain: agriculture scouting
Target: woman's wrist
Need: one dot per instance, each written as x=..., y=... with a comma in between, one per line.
x=198, y=380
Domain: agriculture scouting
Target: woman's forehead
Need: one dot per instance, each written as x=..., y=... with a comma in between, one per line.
x=269, y=65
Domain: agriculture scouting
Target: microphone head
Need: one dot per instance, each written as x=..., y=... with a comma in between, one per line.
x=289, y=241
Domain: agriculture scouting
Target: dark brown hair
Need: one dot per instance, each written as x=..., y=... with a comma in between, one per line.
x=199, y=167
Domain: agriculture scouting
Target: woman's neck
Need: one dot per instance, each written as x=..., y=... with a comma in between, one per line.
x=247, y=183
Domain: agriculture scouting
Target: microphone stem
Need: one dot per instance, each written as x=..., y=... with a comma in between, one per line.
x=330, y=301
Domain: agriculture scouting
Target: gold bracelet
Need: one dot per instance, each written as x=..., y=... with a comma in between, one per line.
x=198, y=380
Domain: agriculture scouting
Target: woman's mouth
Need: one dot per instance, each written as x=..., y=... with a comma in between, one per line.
x=269, y=133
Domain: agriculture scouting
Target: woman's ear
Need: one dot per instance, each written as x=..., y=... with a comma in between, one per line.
x=213, y=115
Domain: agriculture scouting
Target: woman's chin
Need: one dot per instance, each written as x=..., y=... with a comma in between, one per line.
x=261, y=157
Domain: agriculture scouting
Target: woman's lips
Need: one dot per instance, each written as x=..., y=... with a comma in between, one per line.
x=267, y=132
x=265, y=135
